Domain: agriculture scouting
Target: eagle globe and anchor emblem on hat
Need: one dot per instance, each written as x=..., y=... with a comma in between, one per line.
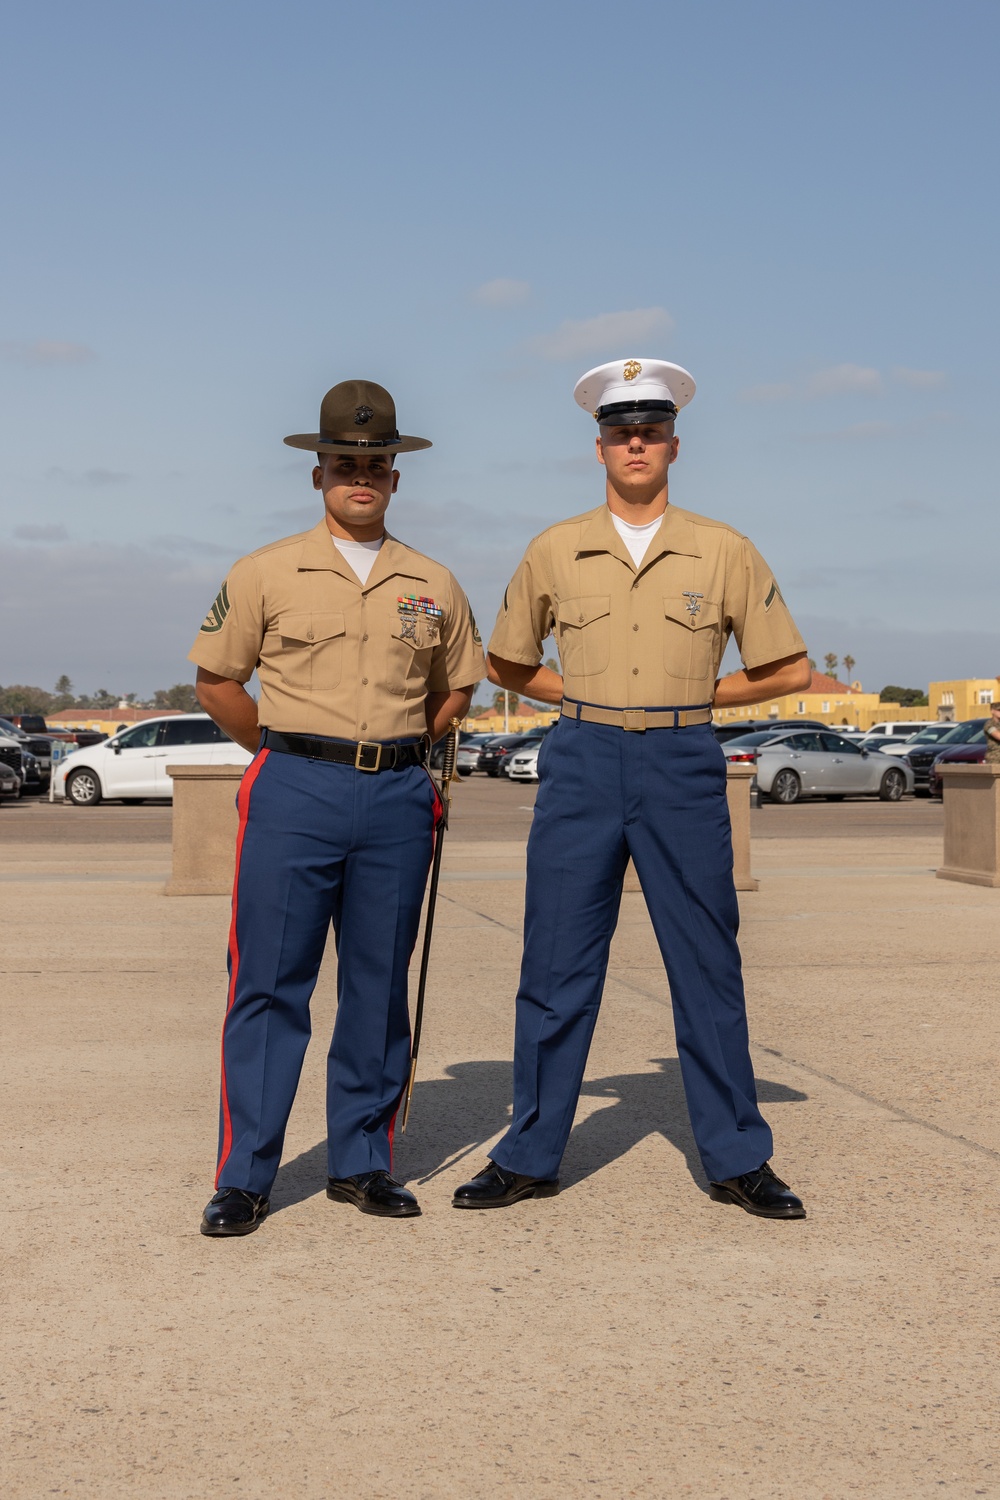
x=351, y=405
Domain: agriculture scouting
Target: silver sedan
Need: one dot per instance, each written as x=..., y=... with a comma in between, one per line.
x=810, y=763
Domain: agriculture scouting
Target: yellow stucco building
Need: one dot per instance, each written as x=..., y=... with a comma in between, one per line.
x=832, y=702
x=965, y=698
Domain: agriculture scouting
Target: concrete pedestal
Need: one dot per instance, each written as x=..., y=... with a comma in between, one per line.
x=971, y=824
x=204, y=829
x=738, y=779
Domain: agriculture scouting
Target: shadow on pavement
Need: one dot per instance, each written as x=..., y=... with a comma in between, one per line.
x=454, y=1117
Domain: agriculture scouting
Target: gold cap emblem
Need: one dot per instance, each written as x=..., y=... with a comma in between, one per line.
x=632, y=369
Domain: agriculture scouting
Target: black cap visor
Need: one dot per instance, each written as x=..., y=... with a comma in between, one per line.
x=635, y=413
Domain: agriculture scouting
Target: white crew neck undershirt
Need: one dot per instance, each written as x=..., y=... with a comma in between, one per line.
x=636, y=538
x=359, y=555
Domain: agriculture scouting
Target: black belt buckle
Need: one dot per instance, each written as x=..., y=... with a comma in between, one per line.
x=362, y=754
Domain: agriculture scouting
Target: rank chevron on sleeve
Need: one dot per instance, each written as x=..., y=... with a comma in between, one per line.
x=216, y=617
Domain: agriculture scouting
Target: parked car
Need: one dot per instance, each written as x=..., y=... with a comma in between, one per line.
x=921, y=754
x=12, y=755
x=886, y=744
x=522, y=762
x=492, y=755
x=10, y=781
x=35, y=724
x=467, y=759
x=971, y=753
x=131, y=765
x=731, y=730
x=907, y=728
x=819, y=763
x=40, y=749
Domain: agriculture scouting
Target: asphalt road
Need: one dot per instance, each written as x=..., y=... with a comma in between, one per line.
x=495, y=810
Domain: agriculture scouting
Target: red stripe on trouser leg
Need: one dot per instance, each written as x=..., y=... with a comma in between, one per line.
x=438, y=815
x=243, y=807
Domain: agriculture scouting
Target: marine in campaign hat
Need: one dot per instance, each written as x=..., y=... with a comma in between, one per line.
x=365, y=651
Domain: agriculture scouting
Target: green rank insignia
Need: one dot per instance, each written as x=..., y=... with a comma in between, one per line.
x=216, y=617
x=774, y=593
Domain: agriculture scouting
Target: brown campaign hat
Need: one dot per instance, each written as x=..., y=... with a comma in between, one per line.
x=356, y=414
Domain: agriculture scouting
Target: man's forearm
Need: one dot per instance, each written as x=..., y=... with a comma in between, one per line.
x=540, y=683
x=231, y=706
x=441, y=708
x=754, y=684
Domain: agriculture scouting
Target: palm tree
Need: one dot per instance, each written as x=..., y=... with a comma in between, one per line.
x=849, y=665
x=831, y=663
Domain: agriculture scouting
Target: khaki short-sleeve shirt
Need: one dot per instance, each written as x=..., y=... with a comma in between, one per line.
x=335, y=656
x=643, y=637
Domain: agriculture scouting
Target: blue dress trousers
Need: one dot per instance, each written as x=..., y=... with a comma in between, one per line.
x=320, y=843
x=660, y=796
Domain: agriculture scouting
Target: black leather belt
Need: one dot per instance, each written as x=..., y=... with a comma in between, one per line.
x=363, y=755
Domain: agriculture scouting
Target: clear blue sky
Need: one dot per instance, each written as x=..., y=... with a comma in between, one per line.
x=213, y=212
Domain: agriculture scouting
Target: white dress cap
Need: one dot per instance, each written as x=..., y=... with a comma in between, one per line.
x=637, y=383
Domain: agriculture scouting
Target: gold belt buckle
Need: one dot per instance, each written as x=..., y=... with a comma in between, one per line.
x=359, y=754
x=634, y=718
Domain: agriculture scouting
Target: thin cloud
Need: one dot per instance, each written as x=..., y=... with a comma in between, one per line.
x=919, y=380
x=607, y=333
x=41, y=534
x=779, y=391
x=913, y=510
x=189, y=546
x=92, y=478
x=504, y=291
x=46, y=352
x=836, y=380
x=856, y=432
x=844, y=380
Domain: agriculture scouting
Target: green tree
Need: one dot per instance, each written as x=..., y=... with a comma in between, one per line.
x=181, y=695
x=498, y=701
x=905, y=697
x=20, y=699
x=812, y=663
x=62, y=694
x=849, y=665
x=831, y=663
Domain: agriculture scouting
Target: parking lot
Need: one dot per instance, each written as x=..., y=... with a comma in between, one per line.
x=482, y=808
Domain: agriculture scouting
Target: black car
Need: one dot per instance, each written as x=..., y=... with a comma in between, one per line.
x=492, y=757
x=731, y=729
x=923, y=755
x=39, y=757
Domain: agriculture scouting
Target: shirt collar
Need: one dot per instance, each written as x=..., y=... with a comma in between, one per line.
x=676, y=534
x=393, y=557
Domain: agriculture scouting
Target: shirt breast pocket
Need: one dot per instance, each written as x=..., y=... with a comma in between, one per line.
x=412, y=640
x=585, y=634
x=692, y=640
x=312, y=649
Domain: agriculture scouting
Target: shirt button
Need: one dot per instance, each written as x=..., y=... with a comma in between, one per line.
x=581, y=619
x=364, y=682
x=309, y=635
x=364, y=637
x=635, y=671
x=635, y=627
x=363, y=728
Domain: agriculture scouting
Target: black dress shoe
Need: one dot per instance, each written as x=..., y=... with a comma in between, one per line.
x=233, y=1211
x=374, y=1193
x=761, y=1193
x=495, y=1187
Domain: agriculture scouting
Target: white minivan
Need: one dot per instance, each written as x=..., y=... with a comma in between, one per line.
x=131, y=765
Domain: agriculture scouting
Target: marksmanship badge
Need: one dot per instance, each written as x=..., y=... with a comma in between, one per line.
x=632, y=369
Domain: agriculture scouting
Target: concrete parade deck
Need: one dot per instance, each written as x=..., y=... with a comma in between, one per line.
x=627, y=1338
